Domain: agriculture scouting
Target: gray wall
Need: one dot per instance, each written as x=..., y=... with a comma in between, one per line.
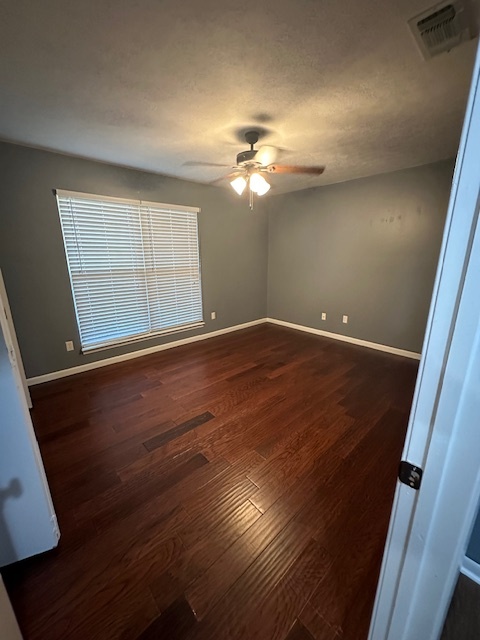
x=233, y=243
x=366, y=248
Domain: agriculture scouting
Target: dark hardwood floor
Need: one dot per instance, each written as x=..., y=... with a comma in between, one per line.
x=236, y=488
x=463, y=618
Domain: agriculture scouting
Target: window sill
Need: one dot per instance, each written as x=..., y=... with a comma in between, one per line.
x=140, y=338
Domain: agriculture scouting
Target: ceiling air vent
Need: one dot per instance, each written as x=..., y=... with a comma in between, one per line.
x=442, y=28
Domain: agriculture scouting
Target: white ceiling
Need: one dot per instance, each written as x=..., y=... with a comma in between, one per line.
x=154, y=83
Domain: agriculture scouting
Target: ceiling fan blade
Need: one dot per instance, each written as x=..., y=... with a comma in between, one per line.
x=194, y=163
x=288, y=168
x=228, y=176
x=266, y=155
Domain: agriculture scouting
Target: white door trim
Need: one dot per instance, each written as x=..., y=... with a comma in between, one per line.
x=13, y=335
x=471, y=569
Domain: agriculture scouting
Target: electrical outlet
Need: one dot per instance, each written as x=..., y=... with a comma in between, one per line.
x=324, y=316
x=345, y=319
x=69, y=345
x=213, y=315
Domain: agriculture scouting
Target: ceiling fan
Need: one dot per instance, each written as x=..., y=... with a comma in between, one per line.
x=251, y=166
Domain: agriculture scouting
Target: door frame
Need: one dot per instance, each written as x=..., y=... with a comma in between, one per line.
x=5, y=310
x=428, y=534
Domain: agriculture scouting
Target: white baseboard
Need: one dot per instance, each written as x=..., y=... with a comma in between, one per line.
x=337, y=336
x=63, y=373
x=471, y=569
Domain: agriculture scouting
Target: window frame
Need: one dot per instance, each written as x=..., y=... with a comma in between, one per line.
x=133, y=338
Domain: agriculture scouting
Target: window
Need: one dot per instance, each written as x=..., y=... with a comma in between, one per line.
x=134, y=267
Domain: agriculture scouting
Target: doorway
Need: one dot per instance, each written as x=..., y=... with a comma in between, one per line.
x=430, y=527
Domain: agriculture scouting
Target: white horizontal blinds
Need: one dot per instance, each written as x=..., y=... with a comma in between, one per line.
x=172, y=266
x=134, y=268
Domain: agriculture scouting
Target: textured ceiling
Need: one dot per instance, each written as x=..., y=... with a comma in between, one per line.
x=152, y=84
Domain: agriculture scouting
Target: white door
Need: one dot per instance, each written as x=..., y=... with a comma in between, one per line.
x=429, y=528
x=27, y=519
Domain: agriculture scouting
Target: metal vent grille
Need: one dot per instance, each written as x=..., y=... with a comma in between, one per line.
x=442, y=28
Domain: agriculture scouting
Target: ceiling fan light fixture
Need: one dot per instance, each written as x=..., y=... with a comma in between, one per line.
x=258, y=184
x=239, y=185
x=253, y=164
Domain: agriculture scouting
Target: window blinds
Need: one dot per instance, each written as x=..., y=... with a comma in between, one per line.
x=134, y=267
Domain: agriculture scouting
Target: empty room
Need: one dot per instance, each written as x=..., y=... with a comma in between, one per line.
x=221, y=228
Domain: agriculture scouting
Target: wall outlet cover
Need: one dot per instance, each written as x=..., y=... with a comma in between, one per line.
x=69, y=345
x=345, y=319
x=324, y=316
x=213, y=315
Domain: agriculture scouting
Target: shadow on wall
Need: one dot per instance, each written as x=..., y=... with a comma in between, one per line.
x=8, y=553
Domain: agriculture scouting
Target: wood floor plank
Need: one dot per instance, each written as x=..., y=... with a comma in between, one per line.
x=299, y=632
x=198, y=559
x=119, y=505
x=463, y=618
x=278, y=612
x=316, y=625
x=174, y=622
x=232, y=613
x=223, y=573
x=126, y=498
x=178, y=430
x=235, y=505
x=118, y=578
x=234, y=488
x=215, y=495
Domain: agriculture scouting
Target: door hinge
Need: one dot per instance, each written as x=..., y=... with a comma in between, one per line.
x=410, y=474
